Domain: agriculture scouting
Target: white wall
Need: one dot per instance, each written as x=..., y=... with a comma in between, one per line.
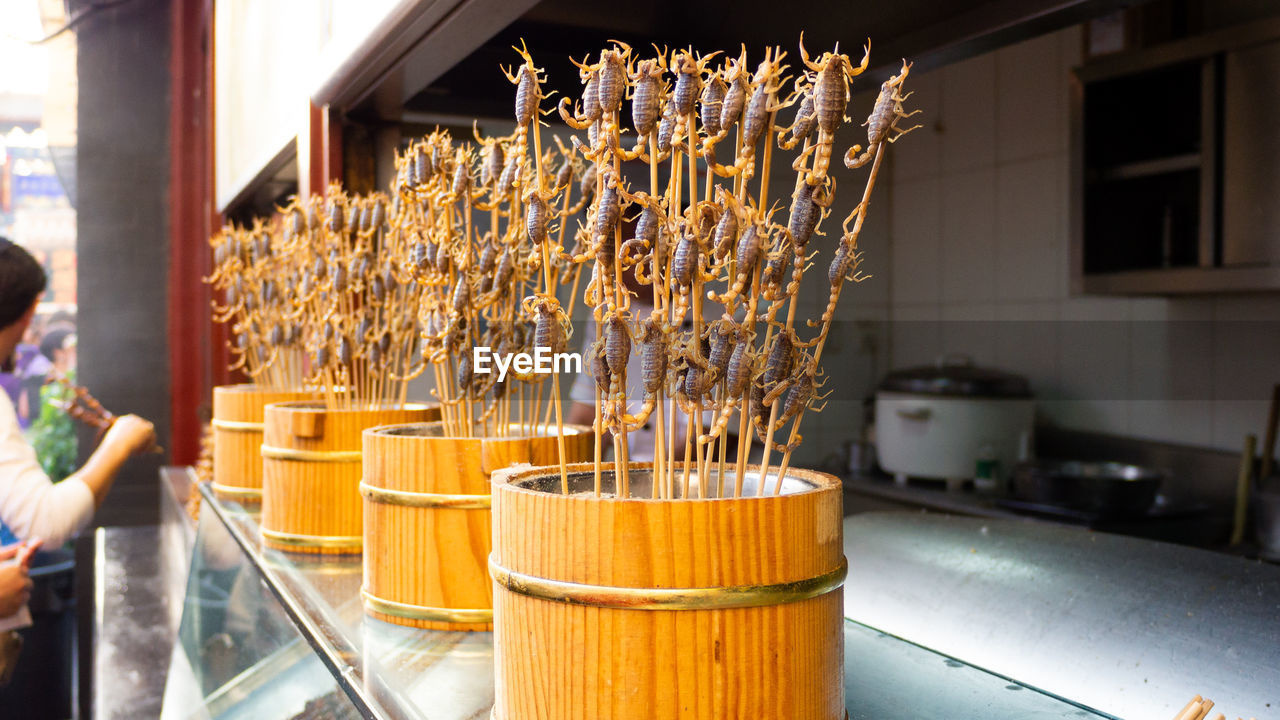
x=977, y=263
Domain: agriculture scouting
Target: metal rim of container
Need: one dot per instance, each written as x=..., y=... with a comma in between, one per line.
x=237, y=492
x=313, y=541
x=704, y=598
x=493, y=714
x=317, y=456
x=404, y=498
x=470, y=616
x=237, y=426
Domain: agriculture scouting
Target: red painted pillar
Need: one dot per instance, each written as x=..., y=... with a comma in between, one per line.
x=319, y=151
x=194, y=353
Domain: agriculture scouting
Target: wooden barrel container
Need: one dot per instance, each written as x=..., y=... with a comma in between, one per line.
x=237, y=438
x=311, y=473
x=638, y=609
x=427, y=529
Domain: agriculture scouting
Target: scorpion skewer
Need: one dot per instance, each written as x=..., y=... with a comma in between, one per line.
x=529, y=112
x=884, y=116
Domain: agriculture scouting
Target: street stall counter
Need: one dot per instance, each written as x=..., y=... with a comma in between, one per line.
x=267, y=634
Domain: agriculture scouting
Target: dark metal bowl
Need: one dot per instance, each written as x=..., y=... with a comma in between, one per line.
x=1106, y=488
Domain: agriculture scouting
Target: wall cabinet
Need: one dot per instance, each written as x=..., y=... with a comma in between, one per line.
x=1251, y=156
x=1176, y=167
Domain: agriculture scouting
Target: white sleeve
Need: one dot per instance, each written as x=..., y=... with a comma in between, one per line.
x=30, y=505
x=583, y=389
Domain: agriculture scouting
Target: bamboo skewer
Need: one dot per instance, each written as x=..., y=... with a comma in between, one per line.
x=1198, y=709
x=852, y=243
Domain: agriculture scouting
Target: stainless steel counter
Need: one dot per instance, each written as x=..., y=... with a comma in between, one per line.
x=1186, y=522
x=139, y=580
x=132, y=641
x=1133, y=628
x=390, y=672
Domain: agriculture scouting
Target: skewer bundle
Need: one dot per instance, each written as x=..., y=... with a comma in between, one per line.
x=1198, y=709
x=495, y=288
x=354, y=300
x=256, y=281
x=322, y=296
x=709, y=247
x=687, y=609
x=481, y=222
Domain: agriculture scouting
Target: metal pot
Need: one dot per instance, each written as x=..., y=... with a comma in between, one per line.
x=1106, y=488
x=938, y=421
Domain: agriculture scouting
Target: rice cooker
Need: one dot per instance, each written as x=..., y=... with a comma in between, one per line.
x=938, y=421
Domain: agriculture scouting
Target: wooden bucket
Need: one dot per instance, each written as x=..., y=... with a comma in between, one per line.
x=311, y=473
x=427, y=532
x=237, y=438
x=609, y=609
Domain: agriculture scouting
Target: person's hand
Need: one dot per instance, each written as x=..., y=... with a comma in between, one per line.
x=132, y=434
x=27, y=549
x=15, y=579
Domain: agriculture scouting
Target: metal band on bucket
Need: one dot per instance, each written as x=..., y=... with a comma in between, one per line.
x=376, y=604
x=316, y=456
x=707, y=598
x=493, y=714
x=237, y=492
x=383, y=496
x=313, y=541
x=237, y=426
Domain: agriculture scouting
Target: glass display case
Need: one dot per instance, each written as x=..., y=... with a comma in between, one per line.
x=276, y=636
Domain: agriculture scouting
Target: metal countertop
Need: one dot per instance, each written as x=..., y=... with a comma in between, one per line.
x=1130, y=627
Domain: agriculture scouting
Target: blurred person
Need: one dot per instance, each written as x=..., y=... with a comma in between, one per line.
x=32, y=508
x=23, y=377
x=15, y=580
x=12, y=385
x=32, y=368
x=60, y=320
x=58, y=346
x=15, y=590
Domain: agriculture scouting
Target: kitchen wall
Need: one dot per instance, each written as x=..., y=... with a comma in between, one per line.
x=973, y=257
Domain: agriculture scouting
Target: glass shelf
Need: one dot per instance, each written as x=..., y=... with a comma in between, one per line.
x=267, y=634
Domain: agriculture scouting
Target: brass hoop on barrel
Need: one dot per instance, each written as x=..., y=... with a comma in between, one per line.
x=313, y=541
x=404, y=498
x=376, y=604
x=705, y=598
x=237, y=426
x=237, y=492
x=316, y=456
